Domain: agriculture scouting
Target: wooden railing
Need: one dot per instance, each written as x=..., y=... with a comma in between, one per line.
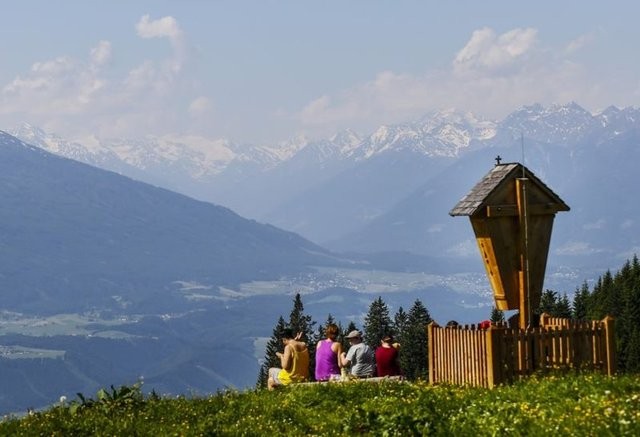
x=486, y=357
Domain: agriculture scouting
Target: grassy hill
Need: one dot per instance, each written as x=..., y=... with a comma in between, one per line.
x=554, y=405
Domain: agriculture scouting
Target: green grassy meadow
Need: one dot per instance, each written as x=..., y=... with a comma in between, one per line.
x=576, y=405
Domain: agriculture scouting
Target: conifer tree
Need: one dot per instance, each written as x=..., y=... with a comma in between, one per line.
x=301, y=322
x=619, y=296
x=632, y=318
x=497, y=316
x=628, y=322
x=270, y=359
x=563, y=307
x=581, y=302
x=593, y=311
x=377, y=323
x=548, y=302
x=414, y=348
x=606, y=298
x=400, y=324
x=298, y=320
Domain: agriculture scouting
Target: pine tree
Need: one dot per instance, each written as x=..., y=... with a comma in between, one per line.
x=631, y=319
x=497, y=316
x=377, y=323
x=298, y=320
x=270, y=359
x=628, y=326
x=400, y=324
x=606, y=298
x=414, y=347
x=619, y=296
x=581, y=302
x=548, y=302
x=563, y=307
x=595, y=303
x=301, y=322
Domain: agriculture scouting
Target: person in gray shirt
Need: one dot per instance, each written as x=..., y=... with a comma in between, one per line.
x=360, y=357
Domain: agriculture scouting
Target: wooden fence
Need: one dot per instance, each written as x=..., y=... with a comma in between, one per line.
x=470, y=355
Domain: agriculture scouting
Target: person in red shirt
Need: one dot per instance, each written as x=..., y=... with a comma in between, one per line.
x=387, y=357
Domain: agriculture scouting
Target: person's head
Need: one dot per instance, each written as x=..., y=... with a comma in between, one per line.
x=331, y=331
x=287, y=335
x=387, y=339
x=354, y=337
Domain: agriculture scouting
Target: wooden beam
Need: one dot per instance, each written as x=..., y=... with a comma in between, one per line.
x=524, y=211
x=512, y=210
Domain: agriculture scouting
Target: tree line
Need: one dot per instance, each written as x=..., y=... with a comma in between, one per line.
x=615, y=294
x=407, y=327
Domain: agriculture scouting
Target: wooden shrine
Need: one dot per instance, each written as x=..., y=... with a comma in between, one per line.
x=512, y=212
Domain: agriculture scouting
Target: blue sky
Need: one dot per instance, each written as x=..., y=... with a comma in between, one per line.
x=265, y=71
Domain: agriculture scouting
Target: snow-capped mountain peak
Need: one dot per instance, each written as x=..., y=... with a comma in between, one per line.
x=91, y=152
x=347, y=140
x=557, y=124
x=443, y=133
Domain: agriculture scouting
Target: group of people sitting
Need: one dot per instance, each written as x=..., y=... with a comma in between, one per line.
x=360, y=361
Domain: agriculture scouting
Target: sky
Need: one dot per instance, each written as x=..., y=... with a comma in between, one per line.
x=262, y=72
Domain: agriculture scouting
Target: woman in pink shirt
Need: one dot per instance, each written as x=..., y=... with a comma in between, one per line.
x=327, y=353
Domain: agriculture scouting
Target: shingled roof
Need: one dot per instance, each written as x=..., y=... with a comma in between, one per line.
x=475, y=200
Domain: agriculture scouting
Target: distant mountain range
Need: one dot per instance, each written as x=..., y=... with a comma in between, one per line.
x=61, y=218
x=589, y=160
x=108, y=273
x=105, y=279
x=392, y=189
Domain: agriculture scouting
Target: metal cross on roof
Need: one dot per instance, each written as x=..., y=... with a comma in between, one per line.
x=498, y=159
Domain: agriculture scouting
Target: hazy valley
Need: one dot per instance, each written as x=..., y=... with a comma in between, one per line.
x=106, y=277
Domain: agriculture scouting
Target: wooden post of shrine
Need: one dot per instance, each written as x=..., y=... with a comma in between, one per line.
x=524, y=292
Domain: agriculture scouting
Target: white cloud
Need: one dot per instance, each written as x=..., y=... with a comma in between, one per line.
x=435, y=228
x=58, y=87
x=598, y=224
x=101, y=54
x=322, y=111
x=577, y=248
x=166, y=27
x=626, y=224
x=144, y=77
x=387, y=93
x=466, y=248
x=199, y=106
x=491, y=75
x=78, y=97
x=488, y=52
x=579, y=42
